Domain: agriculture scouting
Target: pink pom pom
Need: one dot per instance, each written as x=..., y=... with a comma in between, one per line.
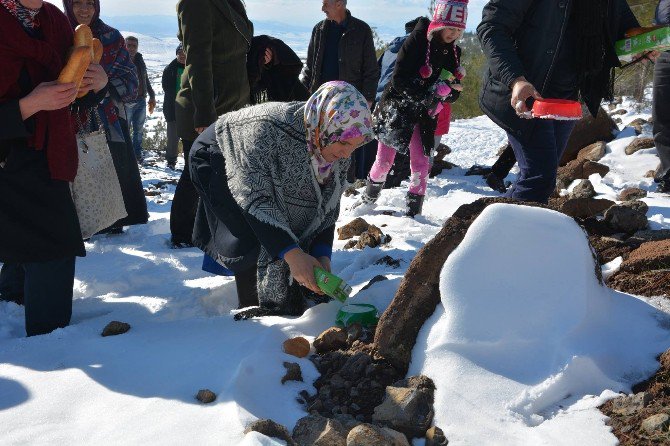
x=442, y=90
x=425, y=71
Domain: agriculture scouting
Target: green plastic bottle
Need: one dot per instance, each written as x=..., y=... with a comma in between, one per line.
x=332, y=285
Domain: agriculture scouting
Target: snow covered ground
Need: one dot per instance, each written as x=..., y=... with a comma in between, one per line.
x=516, y=366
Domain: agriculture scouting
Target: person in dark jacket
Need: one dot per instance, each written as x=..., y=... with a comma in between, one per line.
x=121, y=88
x=137, y=109
x=342, y=48
x=171, y=82
x=543, y=48
x=39, y=229
x=661, y=103
x=274, y=71
x=387, y=61
x=270, y=178
x=406, y=116
x=217, y=36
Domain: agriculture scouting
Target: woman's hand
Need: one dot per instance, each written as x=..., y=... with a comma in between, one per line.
x=47, y=96
x=95, y=78
x=325, y=263
x=522, y=90
x=302, y=268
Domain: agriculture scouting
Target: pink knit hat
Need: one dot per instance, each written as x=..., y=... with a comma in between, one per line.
x=453, y=13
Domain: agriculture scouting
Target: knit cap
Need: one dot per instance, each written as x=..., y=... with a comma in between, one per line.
x=452, y=13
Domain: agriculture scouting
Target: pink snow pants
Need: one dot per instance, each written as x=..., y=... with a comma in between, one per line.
x=419, y=164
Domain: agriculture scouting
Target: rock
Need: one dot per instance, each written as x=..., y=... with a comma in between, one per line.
x=628, y=217
x=388, y=261
x=650, y=174
x=205, y=396
x=375, y=279
x=316, y=430
x=151, y=193
x=351, y=244
x=115, y=328
x=293, y=372
x=334, y=338
x=618, y=121
x=416, y=382
x=589, y=130
x=650, y=236
x=347, y=421
x=585, y=207
x=579, y=170
x=649, y=256
x=621, y=111
x=354, y=332
x=435, y=437
x=351, y=192
x=656, y=423
x=355, y=366
x=352, y=229
x=370, y=435
x=609, y=248
x=638, y=124
x=648, y=283
x=298, y=347
x=583, y=190
x=628, y=405
x=271, y=429
x=593, y=152
x=640, y=144
x=441, y=151
x=632, y=193
x=372, y=237
x=407, y=410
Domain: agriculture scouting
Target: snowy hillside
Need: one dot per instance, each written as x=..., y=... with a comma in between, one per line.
x=564, y=349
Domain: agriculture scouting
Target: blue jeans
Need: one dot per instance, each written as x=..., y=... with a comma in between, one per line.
x=538, y=153
x=137, y=115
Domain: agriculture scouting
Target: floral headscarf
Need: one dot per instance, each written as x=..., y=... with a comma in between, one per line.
x=27, y=16
x=335, y=112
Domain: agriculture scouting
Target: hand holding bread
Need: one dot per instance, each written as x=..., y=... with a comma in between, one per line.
x=86, y=50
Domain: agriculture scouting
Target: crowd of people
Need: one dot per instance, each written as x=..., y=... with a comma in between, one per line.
x=269, y=144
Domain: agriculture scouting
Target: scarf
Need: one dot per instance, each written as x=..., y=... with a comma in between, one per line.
x=43, y=60
x=27, y=16
x=335, y=112
x=590, y=19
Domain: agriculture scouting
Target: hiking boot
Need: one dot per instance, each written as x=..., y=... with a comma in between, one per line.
x=496, y=183
x=478, y=170
x=372, y=191
x=414, y=204
x=663, y=184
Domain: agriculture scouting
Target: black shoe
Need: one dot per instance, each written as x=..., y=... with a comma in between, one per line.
x=180, y=244
x=372, y=191
x=663, y=186
x=172, y=166
x=414, y=204
x=478, y=170
x=496, y=183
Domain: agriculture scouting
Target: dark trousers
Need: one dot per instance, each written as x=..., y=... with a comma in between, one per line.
x=46, y=288
x=504, y=163
x=538, y=154
x=247, y=288
x=661, y=112
x=184, y=203
x=363, y=158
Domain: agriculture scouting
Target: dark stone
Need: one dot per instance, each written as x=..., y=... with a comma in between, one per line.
x=589, y=130
x=583, y=190
x=352, y=229
x=271, y=429
x=389, y=261
x=593, y=152
x=640, y=144
x=293, y=372
x=374, y=280
x=628, y=217
x=585, y=207
x=316, y=430
x=632, y=193
x=206, y=396
x=115, y=328
x=407, y=410
x=435, y=437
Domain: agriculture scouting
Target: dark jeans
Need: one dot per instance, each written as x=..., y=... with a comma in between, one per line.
x=137, y=116
x=538, y=155
x=184, y=203
x=46, y=288
x=661, y=111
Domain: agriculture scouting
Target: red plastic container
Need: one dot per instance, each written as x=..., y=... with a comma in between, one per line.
x=559, y=109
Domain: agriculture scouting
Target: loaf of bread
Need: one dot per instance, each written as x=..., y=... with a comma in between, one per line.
x=76, y=66
x=83, y=36
x=97, y=51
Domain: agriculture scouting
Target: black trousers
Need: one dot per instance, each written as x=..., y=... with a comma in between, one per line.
x=184, y=203
x=247, y=288
x=46, y=289
x=504, y=163
x=661, y=112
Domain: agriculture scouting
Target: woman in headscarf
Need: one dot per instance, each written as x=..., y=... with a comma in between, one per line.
x=122, y=87
x=270, y=178
x=39, y=229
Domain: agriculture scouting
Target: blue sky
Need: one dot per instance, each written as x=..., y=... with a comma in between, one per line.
x=387, y=13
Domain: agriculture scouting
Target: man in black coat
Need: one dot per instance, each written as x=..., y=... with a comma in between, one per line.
x=171, y=84
x=661, y=105
x=545, y=48
x=342, y=49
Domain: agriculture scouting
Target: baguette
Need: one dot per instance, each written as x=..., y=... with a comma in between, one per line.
x=76, y=66
x=97, y=51
x=83, y=36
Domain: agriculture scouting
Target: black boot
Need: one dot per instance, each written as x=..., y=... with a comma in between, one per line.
x=372, y=191
x=414, y=204
x=247, y=288
x=496, y=183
